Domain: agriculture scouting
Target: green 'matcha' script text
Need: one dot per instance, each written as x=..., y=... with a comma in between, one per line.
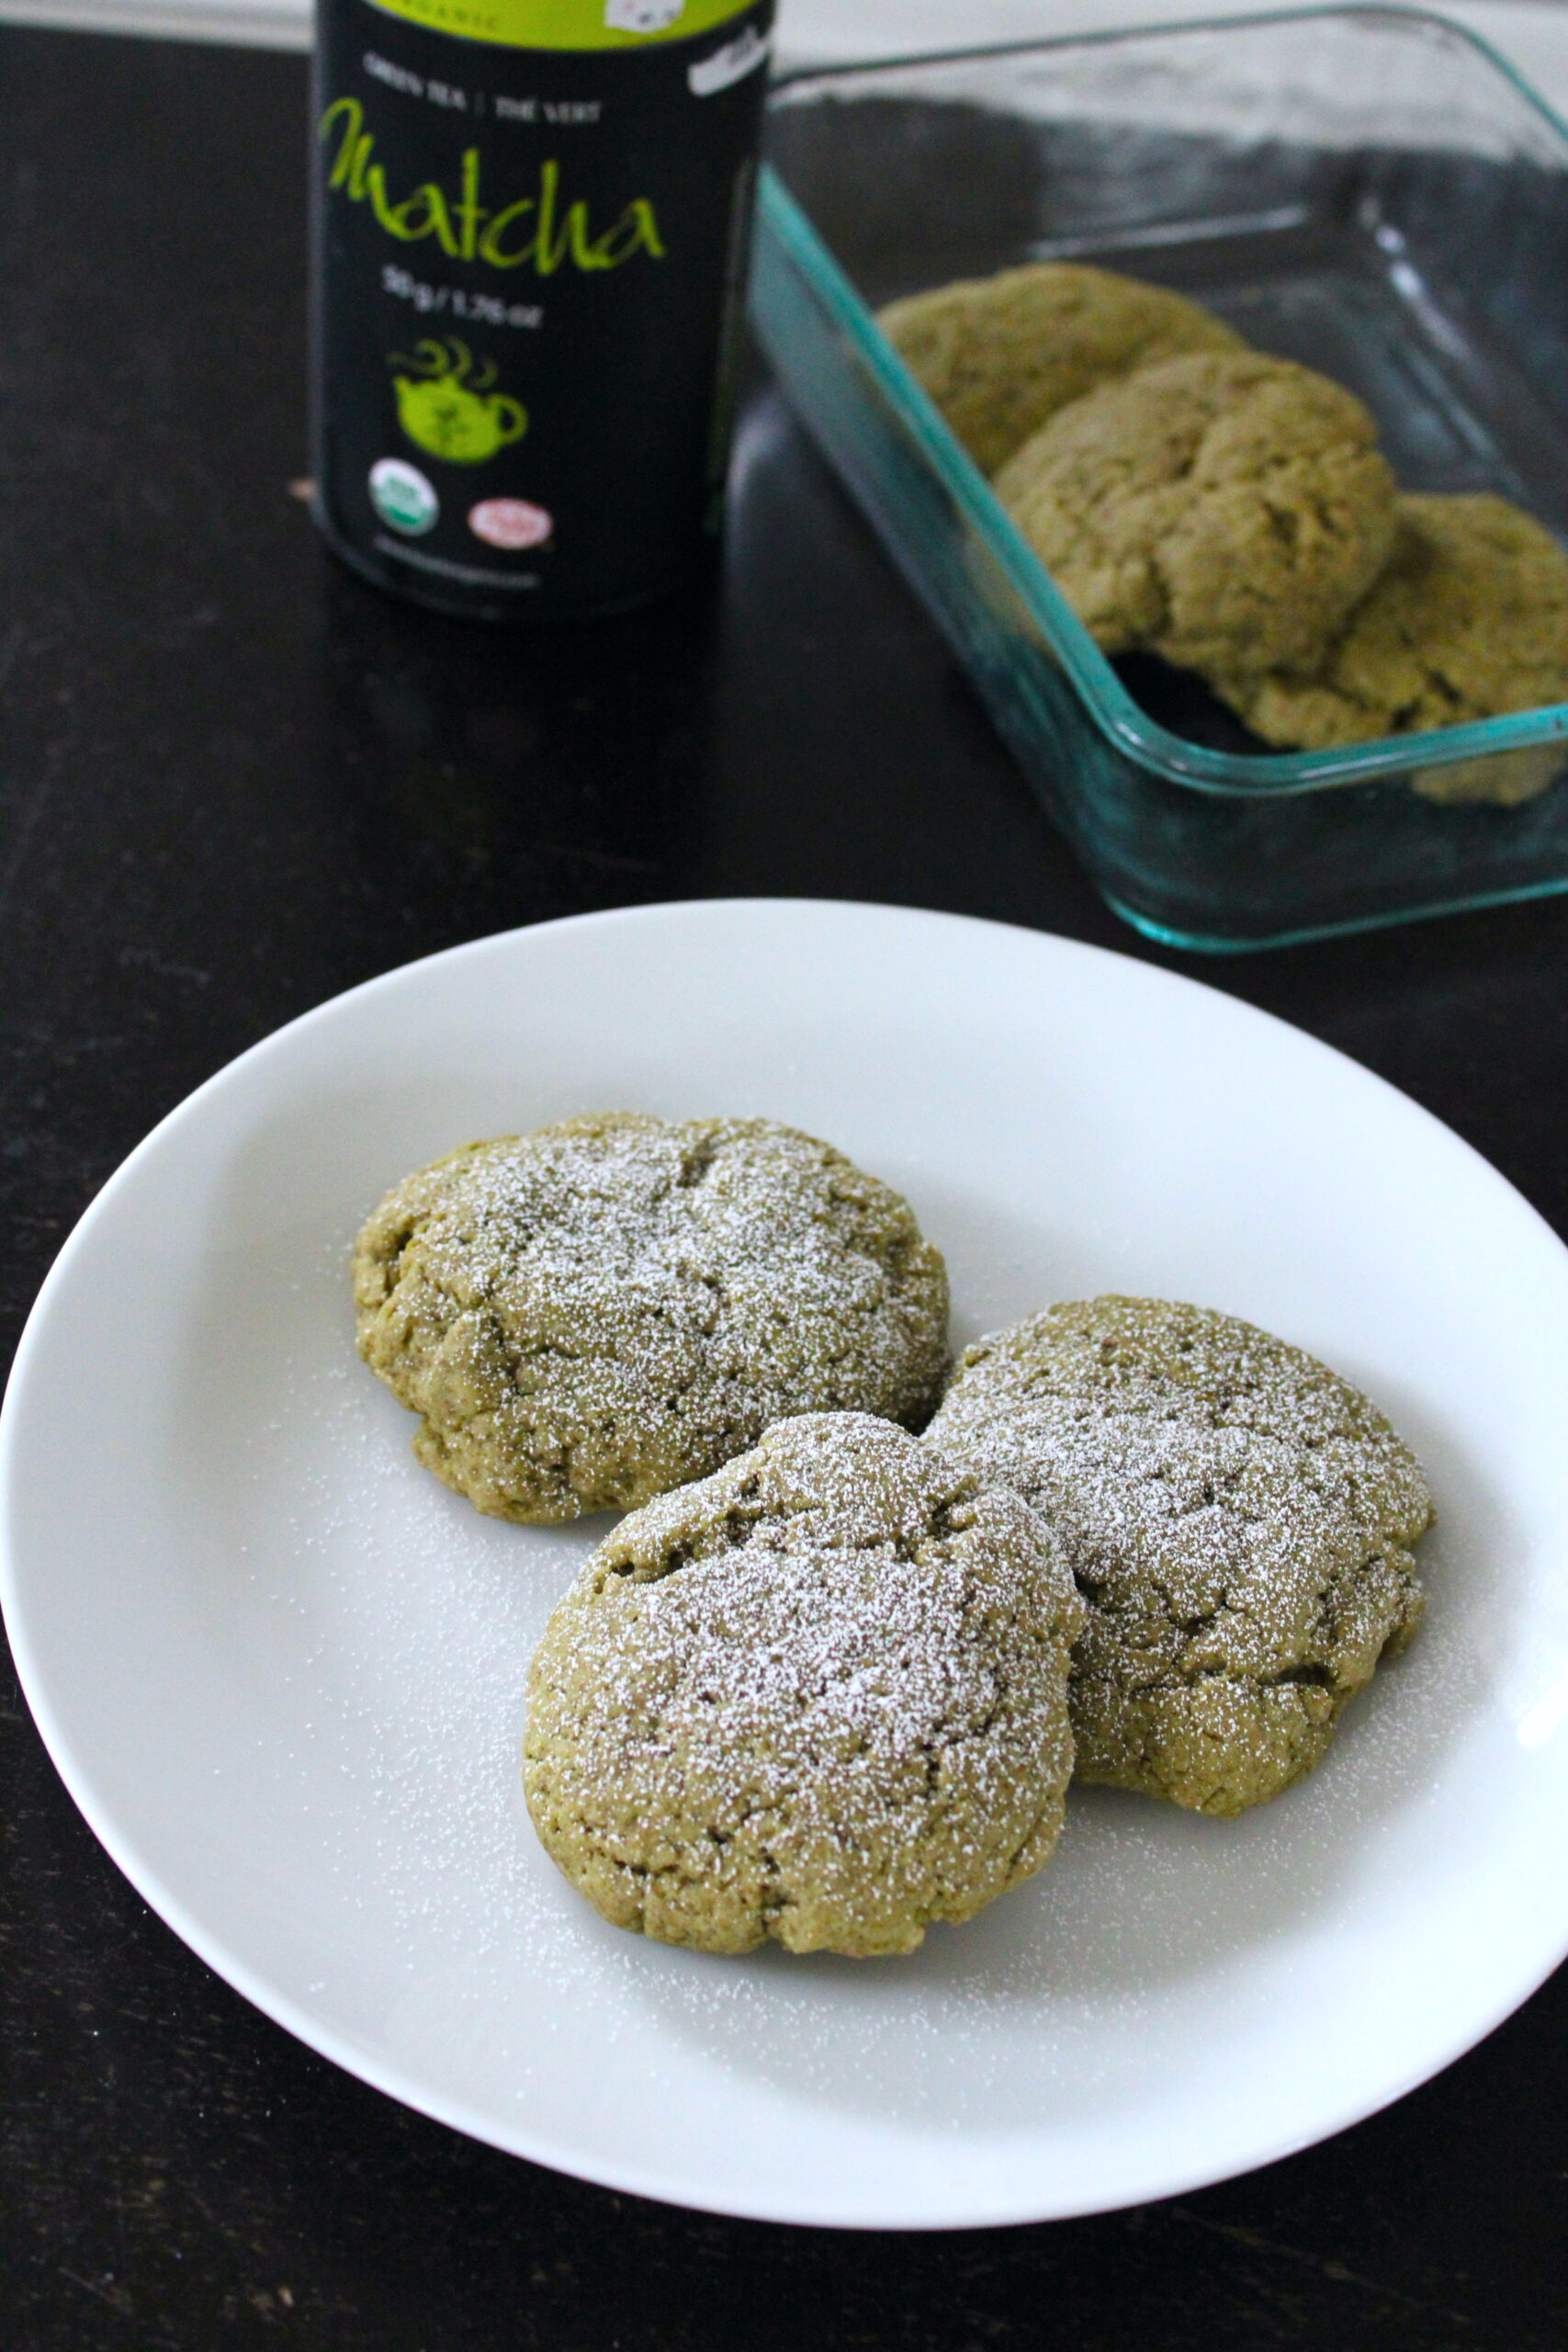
x=535, y=229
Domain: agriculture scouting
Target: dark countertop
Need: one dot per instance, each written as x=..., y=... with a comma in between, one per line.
x=234, y=780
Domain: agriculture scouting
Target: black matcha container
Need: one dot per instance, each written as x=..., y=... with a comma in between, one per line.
x=531, y=222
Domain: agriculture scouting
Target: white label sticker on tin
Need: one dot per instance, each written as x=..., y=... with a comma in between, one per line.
x=731, y=63
x=642, y=16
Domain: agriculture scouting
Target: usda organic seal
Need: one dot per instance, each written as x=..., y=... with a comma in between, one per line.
x=403, y=497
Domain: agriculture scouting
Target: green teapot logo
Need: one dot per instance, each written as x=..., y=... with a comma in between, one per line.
x=448, y=411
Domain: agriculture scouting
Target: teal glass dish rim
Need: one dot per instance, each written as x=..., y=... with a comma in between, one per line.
x=1263, y=774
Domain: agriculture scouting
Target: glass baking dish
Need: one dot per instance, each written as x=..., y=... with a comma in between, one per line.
x=1370, y=190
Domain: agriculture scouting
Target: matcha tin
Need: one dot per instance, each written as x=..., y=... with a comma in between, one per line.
x=530, y=230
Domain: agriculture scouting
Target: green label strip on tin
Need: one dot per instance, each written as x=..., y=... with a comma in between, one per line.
x=567, y=24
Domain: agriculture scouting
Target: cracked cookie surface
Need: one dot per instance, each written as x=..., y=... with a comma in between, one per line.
x=1470, y=619
x=819, y=1697
x=588, y=1316
x=999, y=355
x=1223, y=511
x=1238, y=1520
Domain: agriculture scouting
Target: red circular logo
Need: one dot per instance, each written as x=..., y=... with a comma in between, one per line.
x=509, y=523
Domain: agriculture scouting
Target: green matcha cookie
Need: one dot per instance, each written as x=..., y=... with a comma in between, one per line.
x=1238, y=1518
x=1469, y=619
x=820, y=1696
x=585, y=1316
x=1224, y=511
x=1000, y=355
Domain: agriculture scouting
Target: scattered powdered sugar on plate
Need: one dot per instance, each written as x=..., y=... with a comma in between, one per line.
x=402, y=1623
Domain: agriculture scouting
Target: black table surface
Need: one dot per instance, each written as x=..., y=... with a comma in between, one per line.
x=234, y=780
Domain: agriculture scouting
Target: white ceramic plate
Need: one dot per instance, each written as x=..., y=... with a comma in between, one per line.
x=282, y=1670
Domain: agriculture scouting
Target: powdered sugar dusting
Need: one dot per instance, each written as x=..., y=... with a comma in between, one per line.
x=1235, y=1515
x=819, y=1697
x=590, y=1315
